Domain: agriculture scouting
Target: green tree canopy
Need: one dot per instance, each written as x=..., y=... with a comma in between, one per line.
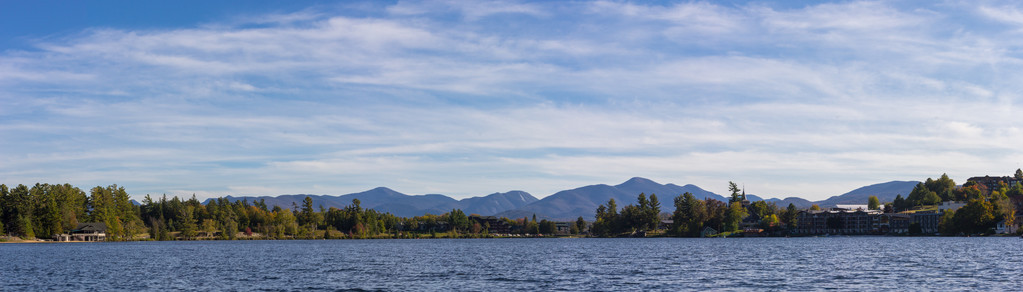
x=689, y=215
x=931, y=198
x=790, y=216
x=975, y=218
x=734, y=216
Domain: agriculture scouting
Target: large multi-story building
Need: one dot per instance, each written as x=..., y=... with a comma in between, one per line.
x=993, y=182
x=492, y=224
x=854, y=222
x=838, y=221
x=928, y=221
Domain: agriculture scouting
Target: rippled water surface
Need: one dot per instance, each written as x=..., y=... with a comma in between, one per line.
x=853, y=263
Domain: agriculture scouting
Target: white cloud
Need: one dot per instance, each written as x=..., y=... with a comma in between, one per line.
x=964, y=130
x=471, y=10
x=699, y=17
x=858, y=16
x=1005, y=14
x=812, y=101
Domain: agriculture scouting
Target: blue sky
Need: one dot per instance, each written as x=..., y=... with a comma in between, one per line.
x=789, y=98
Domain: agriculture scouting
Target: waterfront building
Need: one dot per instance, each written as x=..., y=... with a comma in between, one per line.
x=665, y=224
x=85, y=232
x=493, y=224
x=1002, y=228
x=838, y=221
x=894, y=223
x=928, y=221
x=564, y=227
x=708, y=232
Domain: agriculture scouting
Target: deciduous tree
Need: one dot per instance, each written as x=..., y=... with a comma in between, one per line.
x=734, y=216
x=873, y=203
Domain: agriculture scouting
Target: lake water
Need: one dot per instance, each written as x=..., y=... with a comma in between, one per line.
x=853, y=263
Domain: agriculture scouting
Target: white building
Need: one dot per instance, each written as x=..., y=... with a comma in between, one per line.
x=950, y=205
x=852, y=207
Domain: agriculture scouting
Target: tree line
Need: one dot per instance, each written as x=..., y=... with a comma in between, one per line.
x=984, y=207
x=44, y=210
x=642, y=217
x=691, y=216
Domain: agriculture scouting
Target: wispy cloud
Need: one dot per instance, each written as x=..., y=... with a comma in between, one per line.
x=470, y=98
x=470, y=10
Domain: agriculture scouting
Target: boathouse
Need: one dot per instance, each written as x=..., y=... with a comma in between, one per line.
x=86, y=232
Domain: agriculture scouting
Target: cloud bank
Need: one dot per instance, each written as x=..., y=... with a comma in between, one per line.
x=471, y=98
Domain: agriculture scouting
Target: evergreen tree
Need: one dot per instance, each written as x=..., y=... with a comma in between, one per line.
x=916, y=197
x=688, y=218
x=25, y=226
x=900, y=204
x=791, y=216
x=654, y=212
x=188, y=224
x=20, y=206
x=5, y=208
x=734, y=188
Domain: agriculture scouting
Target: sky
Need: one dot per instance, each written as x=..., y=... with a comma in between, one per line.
x=262, y=98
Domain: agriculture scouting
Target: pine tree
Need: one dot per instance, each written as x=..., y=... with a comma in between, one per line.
x=734, y=188
x=791, y=215
x=25, y=223
x=654, y=215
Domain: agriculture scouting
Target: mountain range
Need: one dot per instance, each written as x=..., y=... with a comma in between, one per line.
x=387, y=200
x=563, y=205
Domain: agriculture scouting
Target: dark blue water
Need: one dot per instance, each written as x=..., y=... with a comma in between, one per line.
x=854, y=263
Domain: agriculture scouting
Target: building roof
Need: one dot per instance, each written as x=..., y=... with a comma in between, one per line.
x=853, y=207
x=91, y=227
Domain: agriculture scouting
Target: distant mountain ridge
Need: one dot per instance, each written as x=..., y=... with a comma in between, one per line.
x=885, y=192
x=387, y=200
x=563, y=205
x=571, y=204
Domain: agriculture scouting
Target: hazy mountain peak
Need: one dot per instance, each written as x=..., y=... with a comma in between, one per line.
x=382, y=190
x=638, y=182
